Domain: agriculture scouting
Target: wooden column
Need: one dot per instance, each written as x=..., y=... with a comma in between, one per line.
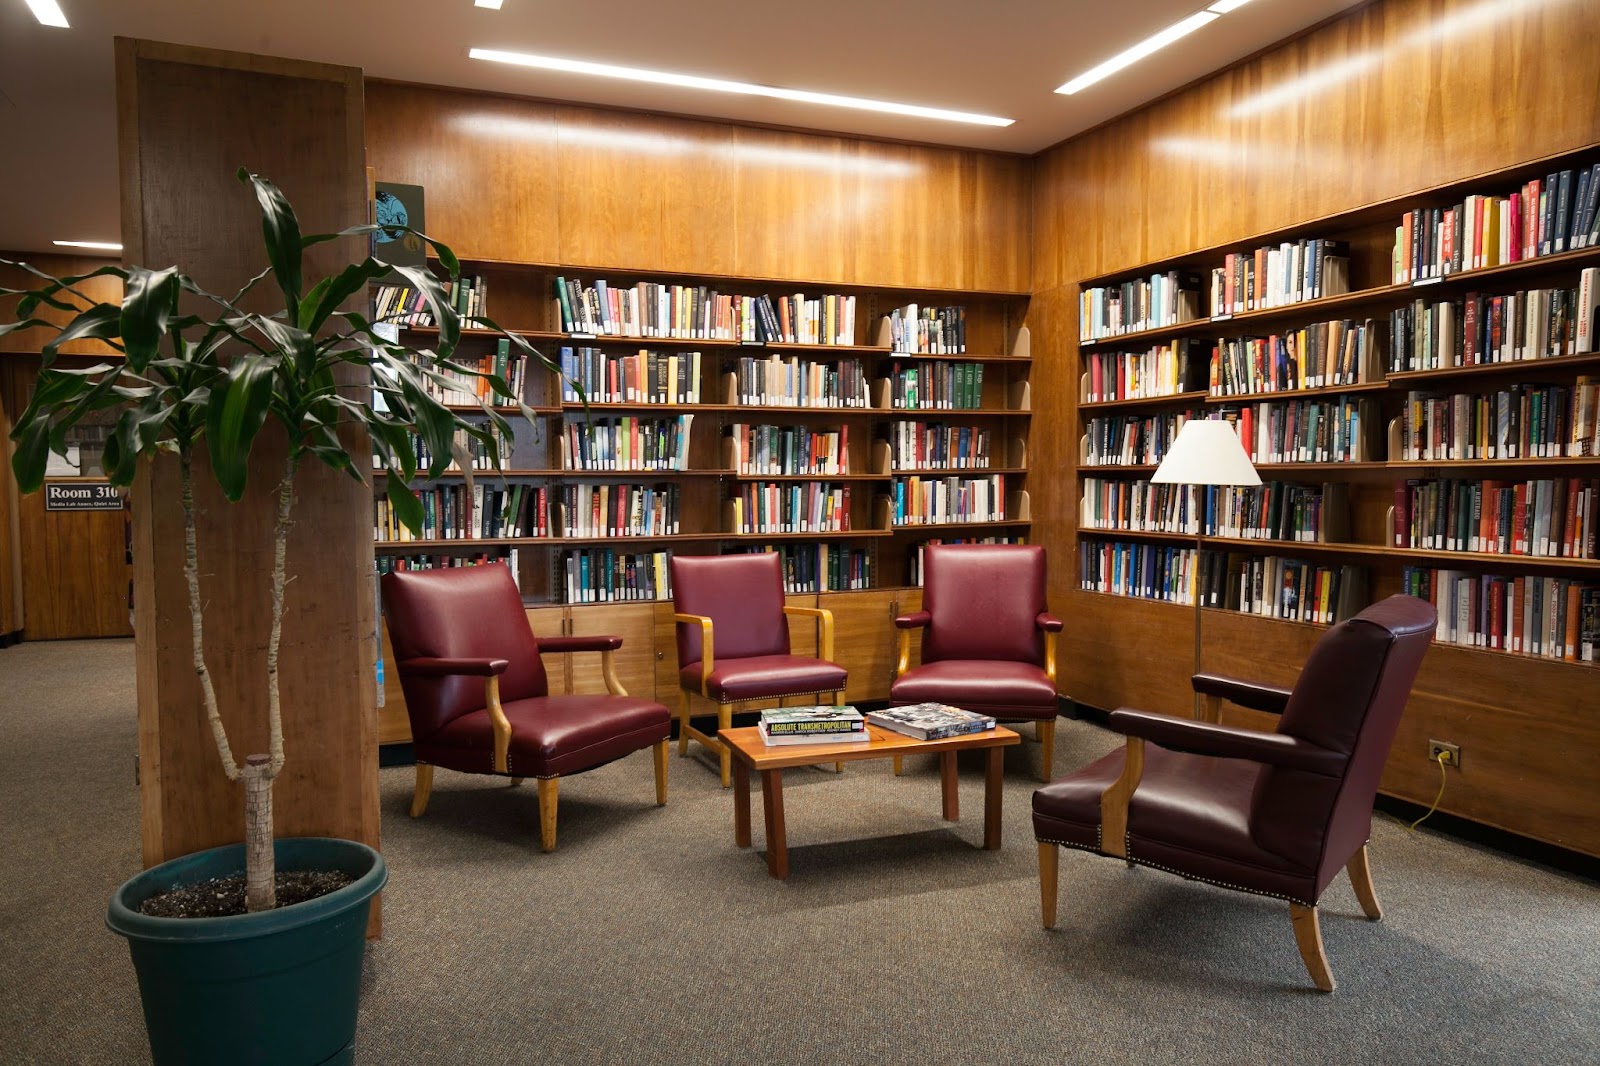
x=187, y=120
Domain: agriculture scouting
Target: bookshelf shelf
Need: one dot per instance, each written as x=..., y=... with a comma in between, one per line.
x=1554, y=365
x=1174, y=399
x=1296, y=394
x=1289, y=547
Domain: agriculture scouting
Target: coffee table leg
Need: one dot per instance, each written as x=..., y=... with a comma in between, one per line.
x=741, y=804
x=949, y=780
x=772, y=808
x=992, y=781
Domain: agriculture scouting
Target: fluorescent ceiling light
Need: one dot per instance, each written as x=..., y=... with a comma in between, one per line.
x=494, y=5
x=104, y=246
x=48, y=12
x=690, y=81
x=1222, y=7
x=1139, y=51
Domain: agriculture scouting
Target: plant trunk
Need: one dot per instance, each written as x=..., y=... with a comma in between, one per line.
x=260, y=862
x=191, y=573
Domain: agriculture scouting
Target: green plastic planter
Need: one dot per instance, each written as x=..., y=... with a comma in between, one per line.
x=278, y=988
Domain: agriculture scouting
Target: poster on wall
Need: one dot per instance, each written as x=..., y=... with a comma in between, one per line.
x=398, y=205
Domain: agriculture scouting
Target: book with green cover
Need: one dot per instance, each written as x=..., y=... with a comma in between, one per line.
x=812, y=721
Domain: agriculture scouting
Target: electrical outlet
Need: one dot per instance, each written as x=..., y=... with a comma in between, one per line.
x=1451, y=753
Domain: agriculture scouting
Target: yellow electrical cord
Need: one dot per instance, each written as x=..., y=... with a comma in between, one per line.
x=1440, y=759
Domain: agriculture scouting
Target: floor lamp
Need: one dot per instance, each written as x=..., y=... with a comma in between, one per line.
x=1205, y=452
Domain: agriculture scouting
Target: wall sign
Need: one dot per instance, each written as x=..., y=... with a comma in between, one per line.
x=82, y=496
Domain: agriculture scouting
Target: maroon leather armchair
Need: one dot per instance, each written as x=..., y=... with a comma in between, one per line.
x=1277, y=814
x=988, y=643
x=479, y=699
x=733, y=642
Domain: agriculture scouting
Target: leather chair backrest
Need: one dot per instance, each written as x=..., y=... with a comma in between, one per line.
x=459, y=612
x=983, y=600
x=743, y=597
x=1348, y=698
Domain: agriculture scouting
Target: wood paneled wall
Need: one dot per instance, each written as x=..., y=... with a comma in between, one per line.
x=104, y=289
x=188, y=118
x=1393, y=98
x=523, y=181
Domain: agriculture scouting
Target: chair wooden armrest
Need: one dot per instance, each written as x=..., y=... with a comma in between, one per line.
x=706, y=656
x=605, y=645
x=825, y=646
x=490, y=670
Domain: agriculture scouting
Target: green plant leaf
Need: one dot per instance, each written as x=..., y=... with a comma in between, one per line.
x=32, y=453
x=335, y=290
x=238, y=409
x=99, y=322
x=282, y=232
x=406, y=506
x=445, y=315
x=149, y=302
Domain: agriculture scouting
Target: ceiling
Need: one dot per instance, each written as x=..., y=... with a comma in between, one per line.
x=996, y=57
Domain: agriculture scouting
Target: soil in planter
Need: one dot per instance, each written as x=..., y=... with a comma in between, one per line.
x=223, y=897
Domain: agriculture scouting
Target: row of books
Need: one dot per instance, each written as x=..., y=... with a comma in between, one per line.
x=1279, y=275
x=776, y=381
x=935, y=386
x=789, y=507
x=387, y=563
x=404, y=303
x=1516, y=422
x=618, y=510
x=819, y=567
x=845, y=724
x=640, y=377
x=626, y=443
x=1546, y=617
x=694, y=312
x=465, y=449
x=1277, y=510
x=931, y=500
x=1163, y=299
x=473, y=388
x=1270, y=586
x=1481, y=328
x=792, y=450
x=457, y=512
x=1319, y=355
x=928, y=330
x=919, y=445
x=1338, y=429
x=917, y=560
x=1161, y=370
x=1556, y=213
x=605, y=575
x=1551, y=517
x=1131, y=440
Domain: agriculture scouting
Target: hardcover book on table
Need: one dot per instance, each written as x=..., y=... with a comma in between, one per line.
x=823, y=720
x=931, y=721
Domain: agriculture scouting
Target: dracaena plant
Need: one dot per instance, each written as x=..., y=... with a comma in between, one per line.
x=201, y=370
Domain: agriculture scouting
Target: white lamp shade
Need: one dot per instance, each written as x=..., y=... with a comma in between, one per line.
x=1207, y=451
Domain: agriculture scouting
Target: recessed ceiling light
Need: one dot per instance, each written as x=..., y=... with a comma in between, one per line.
x=494, y=5
x=104, y=246
x=1150, y=44
x=690, y=81
x=49, y=13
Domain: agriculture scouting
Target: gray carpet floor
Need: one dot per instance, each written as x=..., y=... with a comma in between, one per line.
x=647, y=937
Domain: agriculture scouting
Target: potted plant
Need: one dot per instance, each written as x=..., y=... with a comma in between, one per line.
x=200, y=371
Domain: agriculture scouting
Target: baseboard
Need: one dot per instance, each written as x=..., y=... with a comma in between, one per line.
x=1501, y=840
x=8, y=639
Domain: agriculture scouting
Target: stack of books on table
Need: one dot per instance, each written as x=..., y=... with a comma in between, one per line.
x=812, y=725
x=930, y=721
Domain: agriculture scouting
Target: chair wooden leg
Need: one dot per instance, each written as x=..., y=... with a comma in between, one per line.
x=683, y=723
x=419, y=798
x=725, y=721
x=548, y=793
x=1308, y=937
x=1049, y=856
x=659, y=753
x=899, y=765
x=515, y=781
x=1046, y=732
x=1360, y=872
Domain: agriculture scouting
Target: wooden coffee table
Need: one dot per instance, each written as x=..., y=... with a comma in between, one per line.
x=749, y=753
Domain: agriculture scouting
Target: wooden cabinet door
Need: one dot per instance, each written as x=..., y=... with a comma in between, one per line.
x=864, y=637
x=552, y=622
x=635, y=623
